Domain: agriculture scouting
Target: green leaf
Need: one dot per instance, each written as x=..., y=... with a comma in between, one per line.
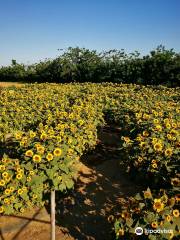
x=9, y=209
x=17, y=205
x=152, y=237
x=150, y=217
x=64, y=168
x=69, y=183
x=138, y=197
x=62, y=187
x=141, y=205
x=28, y=166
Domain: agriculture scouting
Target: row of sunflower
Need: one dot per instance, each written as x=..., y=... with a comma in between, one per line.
x=150, y=121
x=45, y=129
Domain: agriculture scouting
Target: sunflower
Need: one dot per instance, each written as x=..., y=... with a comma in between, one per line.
x=154, y=165
x=161, y=223
x=175, y=182
x=11, y=188
x=20, y=191
x=1, y=209
x=29, y=153
x=168, y=152
x=32, y=134
x=5, y=174
x=166, y=120
x=176, y=213
x=31, y=172
x=12, y=198
x=147, y=194
x=158, y=128
x=168, y=218
x=154, y=224
x=171, y=235
x=155, y=121
x=174, y=125
x=37, y=158
x=168, y=125
x=43, y=136
x=169, y=136
x=174, y=132
x=49, y=156
x=140, y=159
x=2, y=182
x=35, y=196
x=70, y=151
x=158, y=205
x=126, y=139
x=7, y=191
x=18, y=136
x=145, y=133
x=158, y=147
x=6, y=201
x=59, y=139
x=22, y=143
x=138, y=138
x=120, y=232
x=146, y=116
x=110, y=218
x=142, y=144
x=29, y=179
x=7, y=179
x=154, y=161
x=154, y=140
x=2, y=167
x=37, y=145
x=16, y=162
x=57, y=152
x=125, y=215
x=19, y=176
x=40, y=149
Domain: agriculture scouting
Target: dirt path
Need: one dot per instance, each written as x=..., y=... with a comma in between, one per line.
x=82, y=215
x=10, y=84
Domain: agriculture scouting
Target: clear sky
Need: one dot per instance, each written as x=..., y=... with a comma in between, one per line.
x=31, y=30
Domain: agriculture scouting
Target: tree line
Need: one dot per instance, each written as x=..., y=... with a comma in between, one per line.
x=160, y=66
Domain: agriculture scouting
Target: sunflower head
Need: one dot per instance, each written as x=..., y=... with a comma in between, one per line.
x=168, y=152
x=57, y=152
x=176, y=213
x=158, y=205
x=154, y=224
x=158, y=147
x=49, y=156
x=36, y=158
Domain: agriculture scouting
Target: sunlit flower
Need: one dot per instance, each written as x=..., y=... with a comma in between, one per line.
x=57, y=152
x=158, y=205
x=37, y=158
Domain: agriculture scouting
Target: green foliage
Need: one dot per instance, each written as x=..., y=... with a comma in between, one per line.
x=153, y=212
x=160, y=66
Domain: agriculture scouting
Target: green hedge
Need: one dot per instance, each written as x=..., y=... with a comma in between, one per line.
x=160, y=66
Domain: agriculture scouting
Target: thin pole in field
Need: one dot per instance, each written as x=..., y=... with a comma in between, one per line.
x=53, y=223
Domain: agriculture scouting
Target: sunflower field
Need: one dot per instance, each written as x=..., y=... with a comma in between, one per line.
x=46, y=128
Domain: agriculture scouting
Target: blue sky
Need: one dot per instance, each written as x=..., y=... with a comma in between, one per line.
x=33, y=30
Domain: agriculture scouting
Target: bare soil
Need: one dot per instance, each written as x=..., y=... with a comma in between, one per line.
x=10, y=84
